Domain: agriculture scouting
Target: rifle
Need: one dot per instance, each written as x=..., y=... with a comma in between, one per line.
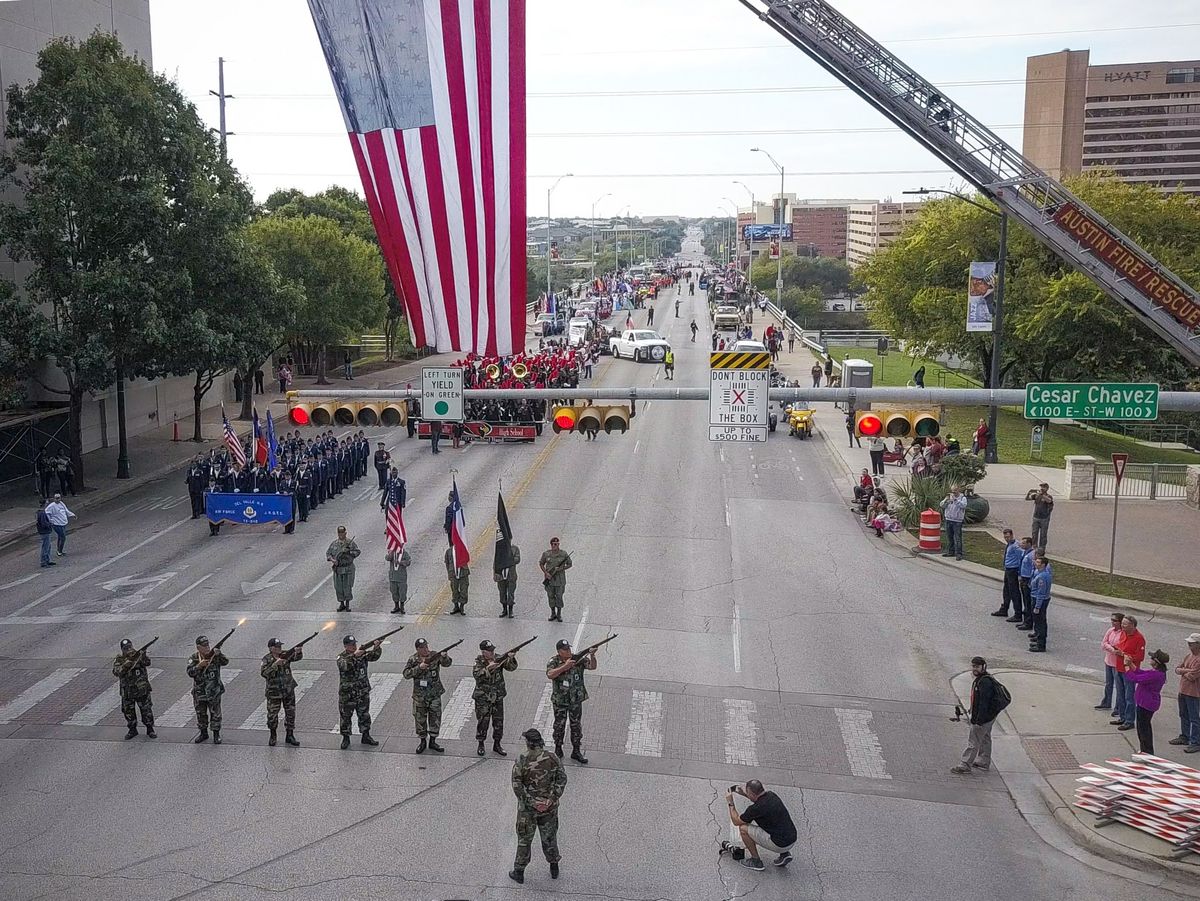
x=549, y=576
x=499, y=661
x=379, y=640
x=437, y=655
x=588, y=650
x=136, y=659
x=289, y=656
x=345, y=552
x=217, y=647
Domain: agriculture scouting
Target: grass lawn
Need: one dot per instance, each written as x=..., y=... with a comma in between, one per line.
x=1012, y=429
x=980, y=547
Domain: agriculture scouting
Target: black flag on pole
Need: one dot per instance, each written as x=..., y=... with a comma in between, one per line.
x=504, y=555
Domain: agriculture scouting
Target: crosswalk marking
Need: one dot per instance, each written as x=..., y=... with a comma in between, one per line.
x=91, y=713
x=305, y=679
x=645, y=737
x=741, y=734
x=183, y=712
x=36, y=693
x=458, y=710
x=383, y=686
x=862, y=744
x=543, y=720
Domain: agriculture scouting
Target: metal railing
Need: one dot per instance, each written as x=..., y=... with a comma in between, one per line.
x=1153, y=481
x=1159, y=433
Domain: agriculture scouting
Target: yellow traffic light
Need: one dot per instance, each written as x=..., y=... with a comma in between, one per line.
x=897, y=425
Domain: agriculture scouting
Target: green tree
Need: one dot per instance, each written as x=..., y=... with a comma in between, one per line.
x=114, y=167
x=341, y=276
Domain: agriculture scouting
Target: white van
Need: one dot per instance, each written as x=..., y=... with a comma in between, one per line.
x=578, y=331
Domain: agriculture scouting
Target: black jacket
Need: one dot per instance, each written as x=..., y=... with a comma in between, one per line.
x=985, y=700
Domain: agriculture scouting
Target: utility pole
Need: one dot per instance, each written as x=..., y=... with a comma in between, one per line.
x=753, y=222
x=779, y=273
x=549, y=191
x=221, y=96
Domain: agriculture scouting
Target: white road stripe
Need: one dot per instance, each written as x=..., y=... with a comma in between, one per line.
x=617, y=510
x=183, y=712
x=544, y=718
x=167, y=604
x=579, y=631
x=20, y=581
x=736, y=631
x=305, y=678
x=383, y=686
x=318, y=586
x=741, y=735
x=459, y=709
x=1085, y=670
x=176, y=502
x=99, y=566
x=636, y=445
x=862, y=744
x=102, y=705
x=645, y=738
x=36, y=693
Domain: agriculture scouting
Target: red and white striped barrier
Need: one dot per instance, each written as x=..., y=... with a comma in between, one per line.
x=1156, y=796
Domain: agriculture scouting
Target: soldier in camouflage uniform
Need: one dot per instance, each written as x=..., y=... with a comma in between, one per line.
x=554, y=564
x=425, y=671
x=489, y=695
x=130, y=668
x=506, y=581
x=354, y=687
x=568, y=696
x=341, y=556
x=398, y=564
x=538, y=780
x=204, y=669
x=460, y=582
x=281, y=690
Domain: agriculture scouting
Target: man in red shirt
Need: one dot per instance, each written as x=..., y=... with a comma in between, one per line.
x=1131, y=651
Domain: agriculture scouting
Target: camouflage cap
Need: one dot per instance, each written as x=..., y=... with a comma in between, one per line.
x=421, y=643
x=201, y=640
x=486, y=645
x=533, y=737
x=349, y=639
x=562, y=643
x=274, y=643
x=126, y=644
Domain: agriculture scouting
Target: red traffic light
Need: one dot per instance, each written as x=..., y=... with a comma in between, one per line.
x=299, y=414
x=869, y=424
x=565, y=419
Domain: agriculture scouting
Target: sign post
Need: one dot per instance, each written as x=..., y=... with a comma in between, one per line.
x=739, y=396
x=1091, y=400
x=1036, y=437
x=1118, y=462
x=442, y=394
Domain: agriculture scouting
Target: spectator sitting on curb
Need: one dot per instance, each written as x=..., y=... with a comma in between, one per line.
x=1114, y=687
x=988, y=699
x=1189, y=697
x=1147, y=695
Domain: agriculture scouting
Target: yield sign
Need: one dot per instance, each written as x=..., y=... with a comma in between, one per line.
x=1118, y=462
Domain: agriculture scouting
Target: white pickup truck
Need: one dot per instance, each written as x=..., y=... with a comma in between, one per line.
x=640, y=345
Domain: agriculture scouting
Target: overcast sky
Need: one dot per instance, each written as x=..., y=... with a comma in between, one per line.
x=289, y=132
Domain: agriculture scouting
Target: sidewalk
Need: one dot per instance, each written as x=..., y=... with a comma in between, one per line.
x=1149, y=532
x=1050, y=729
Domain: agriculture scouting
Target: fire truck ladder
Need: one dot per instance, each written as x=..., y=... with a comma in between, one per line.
x=1059, y=219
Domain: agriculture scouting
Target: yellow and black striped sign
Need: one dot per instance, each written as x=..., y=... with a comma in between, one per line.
x=740, y=359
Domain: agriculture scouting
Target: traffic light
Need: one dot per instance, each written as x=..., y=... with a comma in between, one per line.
x=565, y=419
x=897, y=424
x=868, y=425
x=387, y=413
x=308, y=413
x=592, y=418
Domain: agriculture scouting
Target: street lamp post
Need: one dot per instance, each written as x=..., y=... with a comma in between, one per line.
x=753, y=222
x=726, y=225
x=779, y=273
x=592, y=240
x=549, y=191
x=990, y=453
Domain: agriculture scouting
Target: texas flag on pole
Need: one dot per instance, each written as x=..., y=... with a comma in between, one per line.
x=433, y=96
x=260, y=441
x=458, y=529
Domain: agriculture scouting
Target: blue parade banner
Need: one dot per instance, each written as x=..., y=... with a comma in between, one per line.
x=248, y=509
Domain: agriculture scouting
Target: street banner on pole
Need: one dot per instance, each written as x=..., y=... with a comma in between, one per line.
x=981, y=297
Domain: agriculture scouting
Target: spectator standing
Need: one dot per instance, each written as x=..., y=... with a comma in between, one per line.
x=259, y=377
x=347, y=366
x=876, y=447
x=1039, y=592
x=237, y=387
x=1147, y=692
x=988, y=698
x=979, y=441
x=828, y=368
x=1043, y=506
x=62, y=469
x=1114, y=687
x=954, y=511
x=1189, y=697
x=58, y=514
x=43, y=465
x=44, y=531
x=816, y=374
x=1011, y=593
x=1132, y=648
x=850, y=428
x=1024, y=575
x=919, y=377
x=791, y=338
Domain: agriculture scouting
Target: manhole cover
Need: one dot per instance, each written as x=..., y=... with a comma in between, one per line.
x=1050, y=754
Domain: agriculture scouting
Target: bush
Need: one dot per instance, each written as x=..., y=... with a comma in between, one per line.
x=913, y=496
x=964, y=470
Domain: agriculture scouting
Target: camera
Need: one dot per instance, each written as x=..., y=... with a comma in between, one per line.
x=736, y=789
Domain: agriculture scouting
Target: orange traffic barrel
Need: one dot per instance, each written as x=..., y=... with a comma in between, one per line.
x=931, y=531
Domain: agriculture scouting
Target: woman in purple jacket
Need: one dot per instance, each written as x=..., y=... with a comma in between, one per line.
x=1147, y=695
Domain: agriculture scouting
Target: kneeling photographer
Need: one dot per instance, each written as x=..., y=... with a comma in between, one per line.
x=764, y=824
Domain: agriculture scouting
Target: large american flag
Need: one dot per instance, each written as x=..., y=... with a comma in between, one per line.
x=393, y=531
x=232, y=442
x=433, y=95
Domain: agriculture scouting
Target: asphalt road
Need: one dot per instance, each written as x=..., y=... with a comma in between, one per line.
x=761, y=635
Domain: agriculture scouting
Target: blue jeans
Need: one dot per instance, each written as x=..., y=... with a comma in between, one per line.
x=1110, y=677
x=1128, y=714
x=61, y=532
x=954, y=538
x=45, y=547
x=1189, y=719
x=1118, y=701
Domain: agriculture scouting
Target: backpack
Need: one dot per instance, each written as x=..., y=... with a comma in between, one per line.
x=1003, y=696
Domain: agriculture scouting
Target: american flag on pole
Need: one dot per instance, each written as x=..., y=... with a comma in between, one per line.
x=393, y=531
x=458, y=529
x=433, y=96
x=232, y=442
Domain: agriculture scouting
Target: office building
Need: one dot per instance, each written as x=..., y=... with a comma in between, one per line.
x=873, y=226
x=1141, y=120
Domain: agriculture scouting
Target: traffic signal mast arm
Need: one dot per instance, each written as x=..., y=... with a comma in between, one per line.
x=1056, y=217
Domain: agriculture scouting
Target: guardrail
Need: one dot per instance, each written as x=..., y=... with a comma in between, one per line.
x=1159, y=433
x=1154, y=481
x=787, y=322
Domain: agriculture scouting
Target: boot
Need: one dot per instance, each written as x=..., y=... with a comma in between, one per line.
x=396, y=608
x=150, y=733
x=576, y=754
x=367, y=740
x=401, y=608
x=203, y=736
x=345, y=740
x=554, y=869
x=132, y=733
x=341, y=607
x=421, y=745
x=503, y=610
x=434, y=746
x=216, y=736
x=271, y=740
x=510, y=611
x=479, y=750
x=496, y=747
x=290, y=738
x=517, y=874
x=558, y=750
